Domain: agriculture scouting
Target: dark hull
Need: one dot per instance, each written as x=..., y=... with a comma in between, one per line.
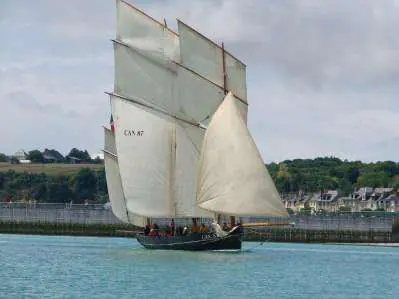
x=192, y=242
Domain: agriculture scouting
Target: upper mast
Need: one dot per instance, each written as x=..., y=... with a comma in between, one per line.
x=224, y=70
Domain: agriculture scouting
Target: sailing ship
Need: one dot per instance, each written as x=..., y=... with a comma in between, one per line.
x=179, y=146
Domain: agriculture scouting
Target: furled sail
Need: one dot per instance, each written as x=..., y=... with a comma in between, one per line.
x=114, y=184
x=233, y=178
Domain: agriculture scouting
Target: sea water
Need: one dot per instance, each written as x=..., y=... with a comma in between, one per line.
x=87, y=267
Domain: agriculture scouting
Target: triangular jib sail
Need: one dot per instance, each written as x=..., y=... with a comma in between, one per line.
x=233, y=178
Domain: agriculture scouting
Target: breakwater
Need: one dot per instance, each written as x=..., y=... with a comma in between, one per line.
x=320, y=236
x=98, y=220
x=272, y=234
x=57, y=213
x=71, y=229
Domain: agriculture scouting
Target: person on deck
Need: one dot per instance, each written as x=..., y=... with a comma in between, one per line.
x=147, y=230
x=203, y=229
x=179, y=231
x=194, y=227
x=185, y=231
x=172, y=227
x=154, y=231
x=168, y=232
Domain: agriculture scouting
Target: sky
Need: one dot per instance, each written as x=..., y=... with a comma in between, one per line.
x=322, y=76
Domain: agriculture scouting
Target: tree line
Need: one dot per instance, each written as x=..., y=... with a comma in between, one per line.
x=290, y=176
x=86, y=184
x=331, y=173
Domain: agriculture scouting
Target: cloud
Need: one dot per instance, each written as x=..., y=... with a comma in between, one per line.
x=322, y=44
x=322, y=75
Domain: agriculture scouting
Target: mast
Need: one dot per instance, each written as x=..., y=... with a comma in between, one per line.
x=224, y=70
x=173, y=171
x=232, y=218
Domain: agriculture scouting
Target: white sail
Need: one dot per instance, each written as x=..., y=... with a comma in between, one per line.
x=142, y=32
x=206, y=58
x=188, y=146
x=233, y=178
x=171, y=88
x=144, y=146
x=159, y=173
x=200, y=54
x=114, y=183
x=198, y=99
x=139, y=77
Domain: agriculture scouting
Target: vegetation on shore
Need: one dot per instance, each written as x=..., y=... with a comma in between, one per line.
x=77, y=184
x=313, y=175
x=56, y=182
x=50, y=169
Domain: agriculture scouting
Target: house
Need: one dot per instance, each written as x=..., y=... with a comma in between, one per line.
x=363, y=193
x=349, y=202
x=52, y=156
x=99, y=155
x=392, y=203
x=20, y=155
x=327, y=201
x=73, y=160
x=367, y=198
x=296, y=202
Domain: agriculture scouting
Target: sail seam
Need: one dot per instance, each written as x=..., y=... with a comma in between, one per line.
x=197, y=150
x=140, y=103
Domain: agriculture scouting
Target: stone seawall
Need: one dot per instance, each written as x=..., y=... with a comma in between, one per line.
x=96, y=220
x=59, y=215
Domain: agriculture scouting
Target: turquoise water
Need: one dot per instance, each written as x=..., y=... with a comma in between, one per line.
x=86, y=267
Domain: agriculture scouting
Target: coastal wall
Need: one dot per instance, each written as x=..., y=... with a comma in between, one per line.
x=99, y=220
x=395, y=230
x=320, y=236
x=48, y=213
x=271, y=235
